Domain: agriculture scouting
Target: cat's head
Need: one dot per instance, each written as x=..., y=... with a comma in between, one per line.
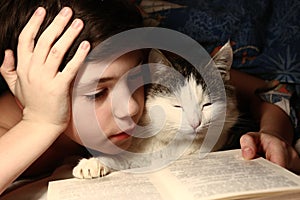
x=181, y=101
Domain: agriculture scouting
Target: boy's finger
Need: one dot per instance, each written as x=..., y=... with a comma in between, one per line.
x=248, y=145
x=59, y=49
x=28, y=34
x=71, y=69
x=51, y=33
x=277, y=155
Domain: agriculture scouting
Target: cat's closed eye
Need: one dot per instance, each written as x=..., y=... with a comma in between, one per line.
x=206, y=105
x=177, y=106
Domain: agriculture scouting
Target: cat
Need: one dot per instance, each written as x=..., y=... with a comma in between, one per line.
x=181, y=130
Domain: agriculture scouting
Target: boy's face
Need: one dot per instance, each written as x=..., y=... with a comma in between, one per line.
x=108, y=104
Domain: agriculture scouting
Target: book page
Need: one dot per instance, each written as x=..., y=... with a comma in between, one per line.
x=216, y=176
x=118, y=185
x=227, y=174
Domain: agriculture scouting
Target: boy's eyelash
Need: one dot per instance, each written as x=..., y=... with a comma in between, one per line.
x=97, y=95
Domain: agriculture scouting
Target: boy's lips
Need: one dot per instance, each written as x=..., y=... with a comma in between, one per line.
x=125, y=134
x=119, y=137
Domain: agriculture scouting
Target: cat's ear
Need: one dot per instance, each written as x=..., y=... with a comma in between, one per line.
x=156, y=56
x=223, y=60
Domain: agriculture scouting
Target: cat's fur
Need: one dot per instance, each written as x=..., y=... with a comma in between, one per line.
x=186, y=115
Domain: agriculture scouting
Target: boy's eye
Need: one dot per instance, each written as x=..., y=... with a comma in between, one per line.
x=97, y=95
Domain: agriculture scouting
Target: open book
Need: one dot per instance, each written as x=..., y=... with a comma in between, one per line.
x=219, y=175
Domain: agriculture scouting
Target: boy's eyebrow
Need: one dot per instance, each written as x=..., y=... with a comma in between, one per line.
x=102, y=80
x=91, y=84
x=99, y=80
x=88, y=85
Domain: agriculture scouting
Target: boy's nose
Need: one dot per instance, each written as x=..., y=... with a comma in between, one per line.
x=127, y=108
x=124, y=104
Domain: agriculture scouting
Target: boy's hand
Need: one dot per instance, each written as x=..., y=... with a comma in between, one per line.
x=42, y=90
x=255, y=144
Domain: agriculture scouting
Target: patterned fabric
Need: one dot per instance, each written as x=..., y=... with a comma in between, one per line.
x=281, y=95
x=265, y=36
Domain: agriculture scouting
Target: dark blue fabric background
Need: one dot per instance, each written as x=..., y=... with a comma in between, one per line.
x=265, y=33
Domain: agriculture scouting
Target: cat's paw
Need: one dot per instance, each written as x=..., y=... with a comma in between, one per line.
x=90, y=168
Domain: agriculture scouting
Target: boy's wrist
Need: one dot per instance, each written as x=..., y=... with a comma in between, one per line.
x=47, y=128
x=43, y=119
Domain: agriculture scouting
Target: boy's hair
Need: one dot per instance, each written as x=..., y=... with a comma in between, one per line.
x=102, y=19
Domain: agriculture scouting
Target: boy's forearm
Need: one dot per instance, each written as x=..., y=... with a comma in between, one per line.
x=271, y=118
x=274, y=121
x=246, y=85
x=21, y=146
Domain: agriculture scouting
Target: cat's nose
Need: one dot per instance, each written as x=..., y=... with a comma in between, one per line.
x=195, y=124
